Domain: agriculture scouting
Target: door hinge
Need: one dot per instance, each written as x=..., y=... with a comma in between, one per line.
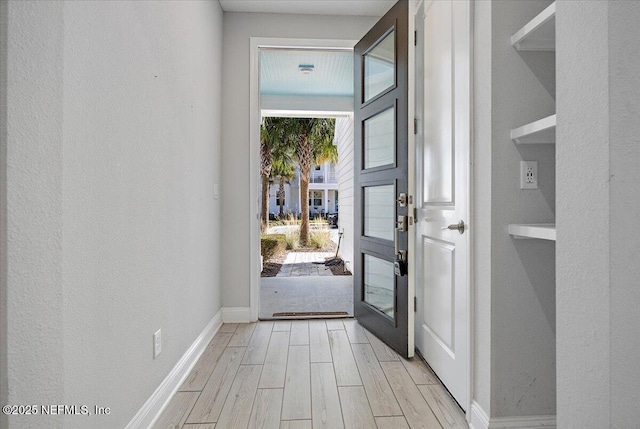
x=415, y=125
x=415, y=38
x=415, y=304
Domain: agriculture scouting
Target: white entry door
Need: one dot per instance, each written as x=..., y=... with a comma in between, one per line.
x=443, y=110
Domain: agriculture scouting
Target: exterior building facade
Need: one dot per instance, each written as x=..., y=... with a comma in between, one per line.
x=323, y=192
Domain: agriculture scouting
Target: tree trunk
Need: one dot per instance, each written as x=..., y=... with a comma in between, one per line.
x=305, y=152
x=304, y=199
x=281, y=197
x=264, y=213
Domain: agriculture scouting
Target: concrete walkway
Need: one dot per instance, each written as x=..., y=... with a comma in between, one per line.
x=306, y=294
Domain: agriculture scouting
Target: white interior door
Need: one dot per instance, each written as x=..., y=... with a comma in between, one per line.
x=443, y=110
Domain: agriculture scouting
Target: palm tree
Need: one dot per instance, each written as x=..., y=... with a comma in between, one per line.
x=273, y=143
x=313, y=139
x=282, y=171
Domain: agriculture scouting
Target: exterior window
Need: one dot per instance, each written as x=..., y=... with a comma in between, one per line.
x=315, y=198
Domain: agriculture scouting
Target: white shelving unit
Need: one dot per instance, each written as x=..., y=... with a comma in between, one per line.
x=542, y=231
x=539, y=34
x=538, y=132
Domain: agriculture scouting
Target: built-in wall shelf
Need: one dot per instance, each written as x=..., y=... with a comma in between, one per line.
x=539, y=34
x=542, y=231
x=538, y=132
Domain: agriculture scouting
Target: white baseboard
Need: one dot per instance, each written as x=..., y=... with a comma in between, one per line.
x=236, y=314
x=480, y=420
x=524, y=422
x=156, y=403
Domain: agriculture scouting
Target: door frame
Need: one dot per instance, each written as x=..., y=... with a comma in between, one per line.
x=257, y=43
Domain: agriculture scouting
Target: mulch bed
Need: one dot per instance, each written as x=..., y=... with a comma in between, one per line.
x=270, y=269
x=338, y=269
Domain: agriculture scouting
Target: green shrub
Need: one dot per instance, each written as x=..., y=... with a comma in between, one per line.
x=271, y=245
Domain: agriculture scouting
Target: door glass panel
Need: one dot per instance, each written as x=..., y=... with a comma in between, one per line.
x=379, y=67
x=380, y=139
x=379, y=207
x=379, y=284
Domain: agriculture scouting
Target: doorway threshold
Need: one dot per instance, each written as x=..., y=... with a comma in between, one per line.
x=309, y=315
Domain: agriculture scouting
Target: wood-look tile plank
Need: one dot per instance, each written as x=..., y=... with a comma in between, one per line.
x=237, y=408
x=228, y=327
x=319, y=342
x=275, y=363
x=446, y=410
x=176, y=412
x=299, y=333
x=381, y=397
x=419, y=371
x=209, y=405
x=282, y=326
x=257, y=348
x=383, y=352
x=414, y=407
x=355, y=408
x=200, y=373
x=391, y=423
x=199, y=426
x=355, y=332
x=334, y=324
x=242, y=335
x=295, y=424
x=343, y=361
x=266, y=409
x=296, y=403
x=325, y=402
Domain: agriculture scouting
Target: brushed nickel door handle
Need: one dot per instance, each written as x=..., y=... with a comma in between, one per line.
x=455, y=227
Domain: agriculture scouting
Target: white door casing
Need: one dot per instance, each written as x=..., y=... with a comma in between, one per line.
x=255, y=111
x=442, y=255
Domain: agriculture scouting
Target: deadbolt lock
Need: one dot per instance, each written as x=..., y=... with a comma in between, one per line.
x=403, y=224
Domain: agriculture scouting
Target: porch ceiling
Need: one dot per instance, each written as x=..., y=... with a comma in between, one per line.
x=332, y=74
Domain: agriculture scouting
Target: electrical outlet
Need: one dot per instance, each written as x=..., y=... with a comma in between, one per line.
x=157, y=343
x=528, y=174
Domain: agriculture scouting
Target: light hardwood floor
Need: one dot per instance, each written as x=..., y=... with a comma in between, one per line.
x=313, y=374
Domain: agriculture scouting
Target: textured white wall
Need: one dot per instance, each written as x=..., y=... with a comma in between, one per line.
x=4, y=21
x=598, y=210
x=583, y=215
x=113, y=150
x=481, y=205
x=238, y=28
x=624, y=207
x=35, y=320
